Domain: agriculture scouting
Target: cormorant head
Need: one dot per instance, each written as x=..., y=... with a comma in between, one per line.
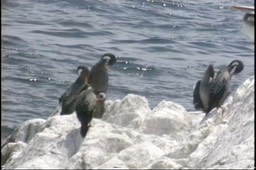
x=236, y=66
x=248, y=25
x=109, y=59
x=83, y=73
x=249, y=18
x=101, y=96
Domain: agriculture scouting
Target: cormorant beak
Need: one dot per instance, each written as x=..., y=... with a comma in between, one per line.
x=233, y=70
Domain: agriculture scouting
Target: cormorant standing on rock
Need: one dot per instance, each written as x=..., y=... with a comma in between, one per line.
x=99, y=81
x=213, y=90
x=85, y=106
x=69, y=97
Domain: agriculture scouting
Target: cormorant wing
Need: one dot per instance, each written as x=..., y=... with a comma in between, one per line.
x=71, y=94
x=196, y=96
x=219, y=85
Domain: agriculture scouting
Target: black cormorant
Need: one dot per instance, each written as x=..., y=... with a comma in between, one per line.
x=212, y=90
x=99, y=81
x=68, y=98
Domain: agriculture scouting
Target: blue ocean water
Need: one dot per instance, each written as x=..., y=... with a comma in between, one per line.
x=163, y=48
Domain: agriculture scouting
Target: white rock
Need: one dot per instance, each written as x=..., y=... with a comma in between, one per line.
x=167, y=118
x=12, y=150
x=166, y=163
x=129, y=112
x=112, y=164
x=100, y=144
x=131, y=135
x=29, y=129
x=146, y=150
